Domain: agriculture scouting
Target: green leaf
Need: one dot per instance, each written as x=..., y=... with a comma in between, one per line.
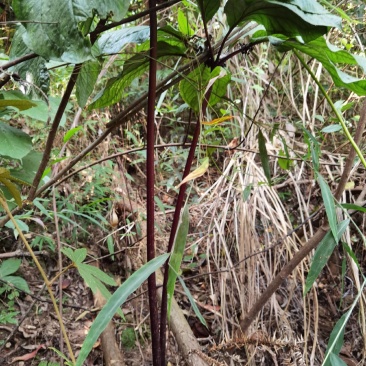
x=323, y=253
x=112, y=42
x=305, y=18
x=193, y=303
x=98, y=273
x=14, y=143
x=132, y=68
x=33, y=71
x=331, y=128
x=71, y=133
x=336, y=360
x=51, y=30
x=76, y=256
x=336, y=340
x=29, y=167
x=117, y=299
x=351, y=206
x=247, y=191
x=177, y=255
x=194, y=86
x=329, y=205
x=18, y=282
x=331, y=56
x=113, y=10
x=264, y=156
x=21, y=224
x=86, y=81
x=42, y=111
x=183, y=24
x=6, y=179
x=9, y=266
x=208, y=8
x=17, y=103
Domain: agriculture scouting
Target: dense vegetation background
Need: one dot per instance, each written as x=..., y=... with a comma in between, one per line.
x=198, y=163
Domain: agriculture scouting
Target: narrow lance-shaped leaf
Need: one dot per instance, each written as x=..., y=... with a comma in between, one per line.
x=202, y=169
x=323, y=253
x=336, y=340
x=177, y=255
x=329, y=205
x=217, y=121
x=193, y=303
x=117, y=299
x=264, y=156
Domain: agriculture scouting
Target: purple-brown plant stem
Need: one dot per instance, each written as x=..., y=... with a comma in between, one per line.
x=53, y=131
x=173, y=230
x=150, y=184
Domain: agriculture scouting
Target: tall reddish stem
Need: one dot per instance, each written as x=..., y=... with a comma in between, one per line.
x=150, y=180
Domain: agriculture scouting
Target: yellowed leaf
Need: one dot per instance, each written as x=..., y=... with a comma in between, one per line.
x=202, y=169
x=216, y=121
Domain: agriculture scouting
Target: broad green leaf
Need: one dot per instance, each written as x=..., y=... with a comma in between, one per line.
x=14, y=143
x=86, y=81
x=33, y=71
x=208, y=8
x=112, y=42
x=44, y=112
x=18, y=282
x=116, y=300
x=51, y=30
x=264, y=156
x=177, y=255
x=331, y=128
x=20, y=104
x=107, y=9
x=323, y=253
x=71, y=133
x=194, y=86
x=76, y=256
x=329, y=205
x=9, y=266
x=305, y=18
x=132, y=68
x=30, y=163
x=193, y=303
x=331, y=57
